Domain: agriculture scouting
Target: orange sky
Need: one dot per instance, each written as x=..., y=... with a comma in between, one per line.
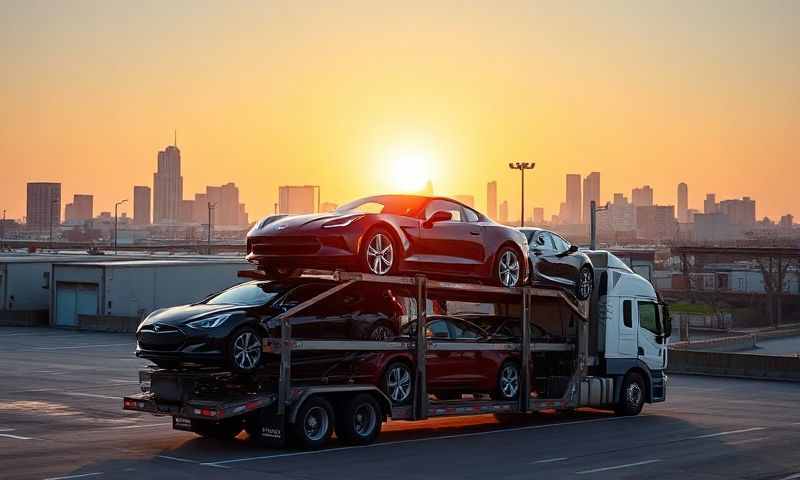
x=265, y=95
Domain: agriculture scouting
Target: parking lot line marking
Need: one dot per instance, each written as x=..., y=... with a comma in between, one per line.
x=193, y=462
x=67, y=347
x=82, y=475
x=15, y=437
x=748, y=440
x=91, y=395
x=550, y=460
x=729, y=432
x=618, y=467
x=125, y=427
x=792, y=476
x=417, y=440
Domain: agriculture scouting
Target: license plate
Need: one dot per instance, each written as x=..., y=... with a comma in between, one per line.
x=180, y=423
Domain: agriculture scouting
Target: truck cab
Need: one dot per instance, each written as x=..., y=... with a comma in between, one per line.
x=632, y=328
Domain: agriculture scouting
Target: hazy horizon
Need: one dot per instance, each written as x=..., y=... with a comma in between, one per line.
x=346, y=97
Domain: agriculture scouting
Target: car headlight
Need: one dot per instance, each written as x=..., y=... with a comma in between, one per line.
x=210, y=322
x=342, y=222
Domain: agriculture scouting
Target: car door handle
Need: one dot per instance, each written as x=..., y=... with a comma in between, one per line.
x=475, y=233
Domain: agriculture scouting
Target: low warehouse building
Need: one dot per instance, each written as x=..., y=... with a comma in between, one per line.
x=25, y=285
x=116, y=296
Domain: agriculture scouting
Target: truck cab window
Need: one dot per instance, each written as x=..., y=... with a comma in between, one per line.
x=648, y=317
x=627, y=313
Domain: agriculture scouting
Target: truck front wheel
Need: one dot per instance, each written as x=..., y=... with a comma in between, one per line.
x=631, y=397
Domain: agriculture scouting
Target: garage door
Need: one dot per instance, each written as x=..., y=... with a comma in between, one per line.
x=73, y=299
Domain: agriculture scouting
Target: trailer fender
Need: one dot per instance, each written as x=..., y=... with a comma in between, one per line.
x=619, y=367
x=335, y=391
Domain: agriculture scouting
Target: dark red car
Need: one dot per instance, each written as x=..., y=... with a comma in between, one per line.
x=450, y=373
x=390, y=234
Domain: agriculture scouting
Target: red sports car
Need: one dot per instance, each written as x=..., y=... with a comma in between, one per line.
x=390, y=234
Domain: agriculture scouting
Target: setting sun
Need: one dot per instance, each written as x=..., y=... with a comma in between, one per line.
x=410, y=169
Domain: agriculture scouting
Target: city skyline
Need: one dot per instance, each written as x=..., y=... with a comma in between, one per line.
x=640, y=100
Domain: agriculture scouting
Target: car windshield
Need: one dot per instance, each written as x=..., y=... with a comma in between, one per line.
x=406, y=205
x=247, y=294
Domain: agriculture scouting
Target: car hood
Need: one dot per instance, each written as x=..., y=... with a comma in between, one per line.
x=295, y=222
x=179, y=315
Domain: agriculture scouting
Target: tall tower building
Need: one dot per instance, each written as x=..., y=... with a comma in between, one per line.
x=168, y=186
x=591, y=193
x=80, y=210
x=573, y=199
x=683, y=203
x=44, y=204
x=491, y=200
x=294, y=200
x=141, y=205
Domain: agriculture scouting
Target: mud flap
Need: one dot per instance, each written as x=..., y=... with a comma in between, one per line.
x=269, y=428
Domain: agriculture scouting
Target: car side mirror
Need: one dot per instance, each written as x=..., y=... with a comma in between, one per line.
x=572, y=249
x=537, y=251
x=438, y=216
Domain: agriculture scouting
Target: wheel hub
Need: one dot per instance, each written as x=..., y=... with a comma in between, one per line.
x=380, y=254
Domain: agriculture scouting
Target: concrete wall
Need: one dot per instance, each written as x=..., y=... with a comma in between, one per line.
x=745, y=365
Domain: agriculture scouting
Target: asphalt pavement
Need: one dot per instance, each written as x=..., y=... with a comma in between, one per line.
x=61, y=417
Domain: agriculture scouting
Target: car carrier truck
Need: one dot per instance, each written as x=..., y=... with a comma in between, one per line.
x=613, y=356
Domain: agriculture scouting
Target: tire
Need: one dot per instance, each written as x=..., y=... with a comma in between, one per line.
x=584, y=284
x=398, y=383
x=381, y=331
x=313, y=426
x=508, y=381
x=631, y=397
x=507, y=268
x=279, y=273
x=377, y=256
x=224, y=430
x=244, y=350
x=359, y=421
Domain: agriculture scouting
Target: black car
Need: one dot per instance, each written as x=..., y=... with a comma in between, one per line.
x=227, y=328
x=500, y=327
x=555, y=261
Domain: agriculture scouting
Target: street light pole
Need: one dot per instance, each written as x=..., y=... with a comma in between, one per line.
x=3, y=232
x=116, y=206
x=522, y=166
x=53, y=201
x=593, y=209
x=210, y=226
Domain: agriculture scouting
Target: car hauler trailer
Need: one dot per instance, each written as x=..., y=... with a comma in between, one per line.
x=602, y=368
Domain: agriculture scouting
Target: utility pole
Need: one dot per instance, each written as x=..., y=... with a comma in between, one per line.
x=275, y=208
x=210, y=224
x=116, y=206
x=522, y=166
x=3, y=232
x=53, y=201
x=593, y=209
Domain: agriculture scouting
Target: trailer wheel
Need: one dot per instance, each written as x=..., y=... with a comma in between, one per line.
x=359, y=421
x=223, y=430
x=631, y=397
x=314, y=424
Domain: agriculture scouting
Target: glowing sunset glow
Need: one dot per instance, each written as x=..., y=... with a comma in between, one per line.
x=410, y=170
x=367, y=98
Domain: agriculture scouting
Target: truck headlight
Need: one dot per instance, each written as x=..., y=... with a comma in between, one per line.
x=210, y=322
